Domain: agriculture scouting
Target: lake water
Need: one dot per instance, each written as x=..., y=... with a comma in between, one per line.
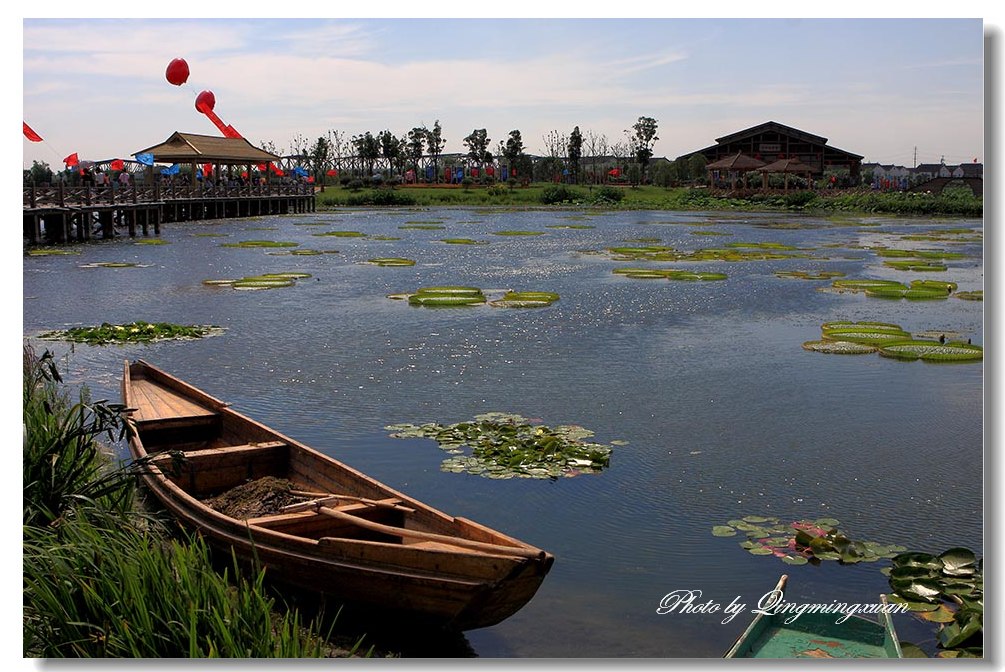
x=724, y=413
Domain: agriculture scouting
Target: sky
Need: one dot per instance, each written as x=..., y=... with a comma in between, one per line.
x=892, y=90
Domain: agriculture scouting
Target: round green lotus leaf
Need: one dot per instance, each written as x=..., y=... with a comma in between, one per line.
x=872, y=326
x=723, y=531
x=826, y=522
x=866, y=284
x=759, y=519
x=839, y=347
x=150, y=241
x=433, y=300
x=695, y=276
x=260, y=243
x=340, y=234
x=451, y=290
x=642, y=240
x=794, y=560
x=111, y=264
x=760, y=550
x=530, y=296
x=977, y=295
x=711, y=233
x=261, y=283
x=937, y=285
x=916, y=266
x=213, y=283
x=399, y=297
x=391, y=261
x=865, y=336
x=646, y=275
x=518, y=233
x=462, y=241
x=647, y=250
x=287, y=275
x=933, y=352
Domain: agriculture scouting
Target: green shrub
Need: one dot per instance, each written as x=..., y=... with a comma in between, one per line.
x=559, y=193
x=609, y=194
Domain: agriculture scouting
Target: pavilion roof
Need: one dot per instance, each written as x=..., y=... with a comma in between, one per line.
x=786, y=166
x=738, y=162
x=193, y=148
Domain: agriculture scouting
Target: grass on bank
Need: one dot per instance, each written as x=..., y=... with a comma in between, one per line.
x=951, y=202
x=104, y=580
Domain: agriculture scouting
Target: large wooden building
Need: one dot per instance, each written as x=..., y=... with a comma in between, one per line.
x=771, y=141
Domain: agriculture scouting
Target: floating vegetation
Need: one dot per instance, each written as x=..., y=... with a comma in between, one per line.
x=150, y=241
x=920, y=290
x=463, y=241
x=918, y=254
x=809, y=275
x=526, y=300
x=976, y=295
x=112, y=264
x=915, y=265
x=304, y=252
x=423, y=227
x=839, y=347
x=643, y=240
x=391, y=261
x=570, y=226
x=711, y=233
x=260, y=243
x=506, y=445
x=262, y=228
x=51, y=252
x=803, y=541
x=341, y=234
x=641, y=252
x=864, y=285
x=264, y=281
x=447, y=296
x=929, y=351
x=890, y=340
x=518, y=233
x=947, y=589
x=668, y=274
x=384, y=238
x=762, y=246
x=134, y=332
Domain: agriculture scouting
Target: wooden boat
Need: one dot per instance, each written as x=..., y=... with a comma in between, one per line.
x=816, y=635
x=354, y=540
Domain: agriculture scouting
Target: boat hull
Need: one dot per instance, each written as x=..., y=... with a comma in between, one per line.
x=379, y=548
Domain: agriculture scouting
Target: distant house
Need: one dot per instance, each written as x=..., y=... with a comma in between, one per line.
x=928, y=171
x=969, y=170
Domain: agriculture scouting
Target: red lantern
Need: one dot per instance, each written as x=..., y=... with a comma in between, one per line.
x=207, y=169
x=310, y=180
x=205, y=101
x=177, y=72
x=118, y=164
x=490, y=171
x=332, y=173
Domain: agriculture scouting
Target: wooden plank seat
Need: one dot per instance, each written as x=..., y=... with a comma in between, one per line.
x=209, y=471
x=316, y=524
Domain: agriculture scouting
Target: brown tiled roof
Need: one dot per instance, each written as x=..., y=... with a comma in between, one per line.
x=192, y=148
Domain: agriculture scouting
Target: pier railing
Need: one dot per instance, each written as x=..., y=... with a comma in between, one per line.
x=63, y=196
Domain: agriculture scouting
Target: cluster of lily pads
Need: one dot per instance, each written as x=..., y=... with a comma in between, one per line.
x=264, y=281
x=507, y=445
x=918, y=290
x=340, y=234
x=947, y=589
x=456, y=295
x=803, y=541
x=668, y=274
x=391, y=261
x=114, y=264
x=51, y=252
x=731, y=252
x=891, y=340
x=134, y=332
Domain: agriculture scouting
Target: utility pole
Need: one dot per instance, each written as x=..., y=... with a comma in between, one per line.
x=915, y=156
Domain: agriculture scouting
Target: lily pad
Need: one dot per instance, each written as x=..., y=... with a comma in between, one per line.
x=977, y=295
x=723, y=531
x=260, y=243
x=933, y=352
x=150, y=241
x=463, y=241
x=392, y=261
x=340, y=234
x=51, y=252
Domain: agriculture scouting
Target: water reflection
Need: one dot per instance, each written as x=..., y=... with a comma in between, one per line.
x=724, y=413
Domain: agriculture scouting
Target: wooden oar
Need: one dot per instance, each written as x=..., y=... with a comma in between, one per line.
x=326, y=498
x=431, y=536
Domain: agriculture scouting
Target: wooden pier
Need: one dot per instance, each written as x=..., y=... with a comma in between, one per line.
x=63, y=214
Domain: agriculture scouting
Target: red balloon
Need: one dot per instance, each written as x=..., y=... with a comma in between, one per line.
x=177, y=72
x=205, y=101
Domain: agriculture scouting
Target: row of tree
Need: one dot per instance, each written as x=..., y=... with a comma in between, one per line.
x=574, y=157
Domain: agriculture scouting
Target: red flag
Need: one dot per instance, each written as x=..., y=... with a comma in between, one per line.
x=71, y=160
x=207, y=169
x=331, y=172
x=310, y=180
x=118, y=164
x=30, y=134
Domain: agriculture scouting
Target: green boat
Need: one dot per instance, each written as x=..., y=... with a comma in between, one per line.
x=816, y=635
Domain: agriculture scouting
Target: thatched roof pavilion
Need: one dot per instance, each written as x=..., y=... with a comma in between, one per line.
x=735, y=165
x=193, y=149
x=786, y=166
